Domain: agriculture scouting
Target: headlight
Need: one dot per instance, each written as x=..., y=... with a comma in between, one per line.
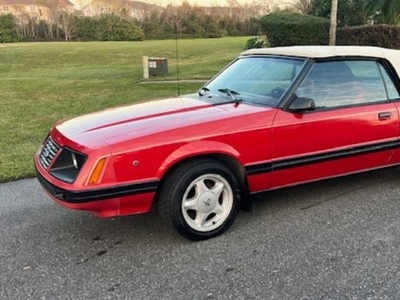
x=67, y=165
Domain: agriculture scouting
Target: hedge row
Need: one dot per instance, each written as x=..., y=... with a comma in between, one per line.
x=286, y=29
x=387, y=36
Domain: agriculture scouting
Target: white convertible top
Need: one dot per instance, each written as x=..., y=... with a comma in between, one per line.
x=393, y=56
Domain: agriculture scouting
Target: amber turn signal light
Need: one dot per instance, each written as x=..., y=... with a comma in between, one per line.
x=97, y=171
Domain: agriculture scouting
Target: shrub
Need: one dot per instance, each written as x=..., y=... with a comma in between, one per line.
x=257, y=42
x=286, y=29
x=8, y=29
x=85, y=28
x=111, y=27
x=106, y=27
x=378, y=35
x=211, y=28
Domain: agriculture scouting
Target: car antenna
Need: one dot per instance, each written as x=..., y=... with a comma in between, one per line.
x=177, y=59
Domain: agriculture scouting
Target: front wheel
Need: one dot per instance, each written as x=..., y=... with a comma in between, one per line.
x=200, y=198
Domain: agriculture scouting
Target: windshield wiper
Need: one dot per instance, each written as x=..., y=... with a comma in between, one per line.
x=231, y=94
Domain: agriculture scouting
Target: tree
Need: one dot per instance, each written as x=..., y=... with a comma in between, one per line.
x=85, y=28
x=349, y=12
x=28, y=27
x=8, y=29
x=111, y=27
x=384, y=11
x=332, y=29
x=303, y=6
x=151, y=24
x=66, y=23
x=52, y=30
x=211, y=28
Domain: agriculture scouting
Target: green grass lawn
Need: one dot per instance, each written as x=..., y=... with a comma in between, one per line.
x=42, y=83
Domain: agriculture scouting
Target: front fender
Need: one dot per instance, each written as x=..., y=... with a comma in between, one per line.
x=196, y=149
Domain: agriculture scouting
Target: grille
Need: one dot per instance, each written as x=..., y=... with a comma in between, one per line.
x=49, y=151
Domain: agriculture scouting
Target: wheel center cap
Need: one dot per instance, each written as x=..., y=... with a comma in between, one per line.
x=207, y=202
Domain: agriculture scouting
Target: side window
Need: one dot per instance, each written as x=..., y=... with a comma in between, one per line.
x=390, y=87
x=343, y=83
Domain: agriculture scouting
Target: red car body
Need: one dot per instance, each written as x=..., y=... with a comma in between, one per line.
x=265, y=146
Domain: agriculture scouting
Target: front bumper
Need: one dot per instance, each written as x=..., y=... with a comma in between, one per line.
x=83, y=196
x=106, y=201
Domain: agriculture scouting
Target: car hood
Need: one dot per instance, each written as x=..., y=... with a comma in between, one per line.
x=145, y=119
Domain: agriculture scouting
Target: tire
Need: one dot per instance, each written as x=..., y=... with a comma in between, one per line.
x=200, y=198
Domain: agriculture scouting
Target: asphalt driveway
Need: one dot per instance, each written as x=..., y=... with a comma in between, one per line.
x=336, y=239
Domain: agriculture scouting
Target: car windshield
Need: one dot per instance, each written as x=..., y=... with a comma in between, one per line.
x=258, y=80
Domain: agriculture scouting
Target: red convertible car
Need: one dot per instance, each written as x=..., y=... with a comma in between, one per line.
x=272, y=118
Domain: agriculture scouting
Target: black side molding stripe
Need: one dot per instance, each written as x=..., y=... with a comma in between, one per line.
x=312, y=159
x=97, y=194
x=259, y=168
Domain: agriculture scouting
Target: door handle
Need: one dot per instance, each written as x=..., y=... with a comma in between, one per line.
x=384, y=115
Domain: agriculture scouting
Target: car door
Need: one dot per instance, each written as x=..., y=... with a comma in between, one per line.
x=353, y=126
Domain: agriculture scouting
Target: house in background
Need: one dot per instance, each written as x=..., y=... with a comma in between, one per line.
x=133, y=9
x=33, y=9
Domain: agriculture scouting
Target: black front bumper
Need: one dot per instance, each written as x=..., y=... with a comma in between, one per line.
x=96, y=194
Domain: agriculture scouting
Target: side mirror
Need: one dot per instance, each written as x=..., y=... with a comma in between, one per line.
x=302, y=104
